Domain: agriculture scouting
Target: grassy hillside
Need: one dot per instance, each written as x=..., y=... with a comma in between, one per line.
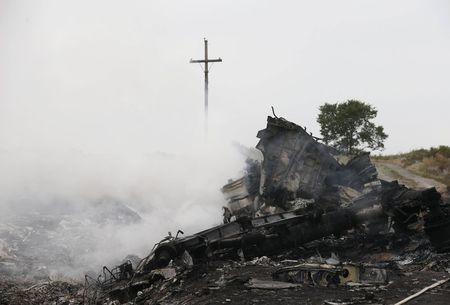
x=431, y=163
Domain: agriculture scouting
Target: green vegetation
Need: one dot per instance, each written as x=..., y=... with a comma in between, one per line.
x=432, y=163
x=348, y=126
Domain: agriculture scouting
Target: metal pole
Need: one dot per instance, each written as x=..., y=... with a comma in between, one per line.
x=206, y=62
x=206, y=86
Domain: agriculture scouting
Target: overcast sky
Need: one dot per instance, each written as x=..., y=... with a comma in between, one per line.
x=112, y=76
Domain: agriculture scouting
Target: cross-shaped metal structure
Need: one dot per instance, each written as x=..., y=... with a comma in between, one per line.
x=206, y=61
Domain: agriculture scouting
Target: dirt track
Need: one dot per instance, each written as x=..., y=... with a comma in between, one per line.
x=390, y=171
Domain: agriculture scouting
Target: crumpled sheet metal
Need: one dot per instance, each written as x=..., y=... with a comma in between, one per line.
x=293, y=161
x=294, y=165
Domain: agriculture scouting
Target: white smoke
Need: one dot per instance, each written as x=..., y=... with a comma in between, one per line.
x=74, y=212
x=98, y=112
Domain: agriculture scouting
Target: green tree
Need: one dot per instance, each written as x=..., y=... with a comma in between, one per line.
x=348, y=126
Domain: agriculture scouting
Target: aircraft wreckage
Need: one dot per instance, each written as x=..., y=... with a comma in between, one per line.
x=300, y=190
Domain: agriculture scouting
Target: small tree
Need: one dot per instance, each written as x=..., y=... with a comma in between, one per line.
x=348, y=126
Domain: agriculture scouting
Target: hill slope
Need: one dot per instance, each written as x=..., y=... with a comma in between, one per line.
x=419, y=168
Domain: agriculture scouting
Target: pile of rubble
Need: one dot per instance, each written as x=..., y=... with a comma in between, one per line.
x=51, y=242
x=43, y=293
x=305, y=224
x=302, y=201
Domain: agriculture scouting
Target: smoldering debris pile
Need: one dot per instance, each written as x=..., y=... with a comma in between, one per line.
x=303, y=215
x=299, y=203
x=54, y=241
x=44, y=292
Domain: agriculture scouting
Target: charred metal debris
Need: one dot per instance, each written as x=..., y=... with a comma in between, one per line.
x=301, y=190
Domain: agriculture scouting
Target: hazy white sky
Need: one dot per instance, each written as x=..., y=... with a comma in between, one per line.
x=113, y=76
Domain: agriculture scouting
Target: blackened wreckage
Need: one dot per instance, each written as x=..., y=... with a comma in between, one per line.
x=302, y=190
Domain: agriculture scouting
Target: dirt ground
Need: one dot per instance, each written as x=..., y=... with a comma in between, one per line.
x=195, y=289
x=410, y=267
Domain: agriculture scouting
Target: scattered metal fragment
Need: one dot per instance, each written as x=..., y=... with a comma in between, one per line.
x=166, y=273
x=325, y=274
x=262, y=284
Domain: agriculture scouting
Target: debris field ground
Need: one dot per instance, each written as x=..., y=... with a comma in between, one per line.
x=224, y=282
